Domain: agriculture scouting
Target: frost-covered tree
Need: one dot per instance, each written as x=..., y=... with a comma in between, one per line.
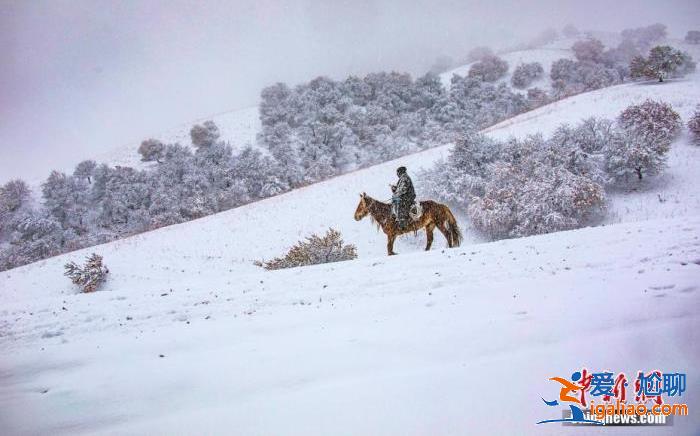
x=641, y=148
x=518, y=188
x=204, y=135
x=35, y=235
x=275, y=104
x=477, y=104
x=85, y=170
x=530, y=198
x=15, y=197
x=461, y=176
x=126, y=201
x=663, y=61
x=67, y=200
x=694, y=125
x=537, y=97
x=489, y=69
x=633, y=156
x=152, y=150
x=525, y=74
x=321, y=128
x=651, y=119
x=573, y=77
x=588, y=50
x=532, y=189
x=261, y=175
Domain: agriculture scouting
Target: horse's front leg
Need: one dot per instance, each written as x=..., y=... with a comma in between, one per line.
x=390, y=244
x=429, y=236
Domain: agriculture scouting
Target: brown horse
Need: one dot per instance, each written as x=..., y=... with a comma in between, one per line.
x=434, y=215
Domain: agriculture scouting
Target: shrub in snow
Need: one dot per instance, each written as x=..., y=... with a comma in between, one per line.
x=631, y=155
x=525, y=74
x=519, y=204
x=663, y=61
x=694, y=126
x=462, y=175
x=204, y=135
x=590, y=135
x=519, y=188
x=315, y=250
x=531, y=191
x=151, y=150
x=477, y=104
x=537, y=97
x=489, y=69
x=588, y=50
x=88, y=277
x=572, y=77
x=654, y=120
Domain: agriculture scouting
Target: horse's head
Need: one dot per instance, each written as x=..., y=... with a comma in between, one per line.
x=362, y=209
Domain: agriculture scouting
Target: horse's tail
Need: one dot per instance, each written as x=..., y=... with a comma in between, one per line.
x=452, y=228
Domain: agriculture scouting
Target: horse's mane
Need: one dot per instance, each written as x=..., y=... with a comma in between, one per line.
x=372, y=201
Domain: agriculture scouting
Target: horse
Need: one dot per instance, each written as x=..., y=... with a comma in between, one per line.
x=434, y=215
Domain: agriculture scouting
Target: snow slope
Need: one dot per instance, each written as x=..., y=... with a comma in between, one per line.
x=234, y=239
x=412, y=344
x=545, y=56
x=238, y=127
x=455, y=342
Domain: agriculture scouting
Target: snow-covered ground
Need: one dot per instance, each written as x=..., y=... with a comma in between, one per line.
x=447, y=342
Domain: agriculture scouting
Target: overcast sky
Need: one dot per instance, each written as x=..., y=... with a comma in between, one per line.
x=81, y=77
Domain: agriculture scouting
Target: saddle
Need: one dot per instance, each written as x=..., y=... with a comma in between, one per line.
x=415, y=211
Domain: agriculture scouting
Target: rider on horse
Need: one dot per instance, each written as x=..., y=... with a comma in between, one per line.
x=403, y=197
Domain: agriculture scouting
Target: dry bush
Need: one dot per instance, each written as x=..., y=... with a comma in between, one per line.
x=315, y=250
x=90, y=276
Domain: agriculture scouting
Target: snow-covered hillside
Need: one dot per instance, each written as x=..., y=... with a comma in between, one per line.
x=234, y=239
x=545, y=56
x=238, y=127
x=188, y=336
x=454, y=342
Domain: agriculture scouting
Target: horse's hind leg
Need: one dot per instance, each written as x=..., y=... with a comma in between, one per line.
x=390, y=244
x=429, y=236
x=444, y=231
